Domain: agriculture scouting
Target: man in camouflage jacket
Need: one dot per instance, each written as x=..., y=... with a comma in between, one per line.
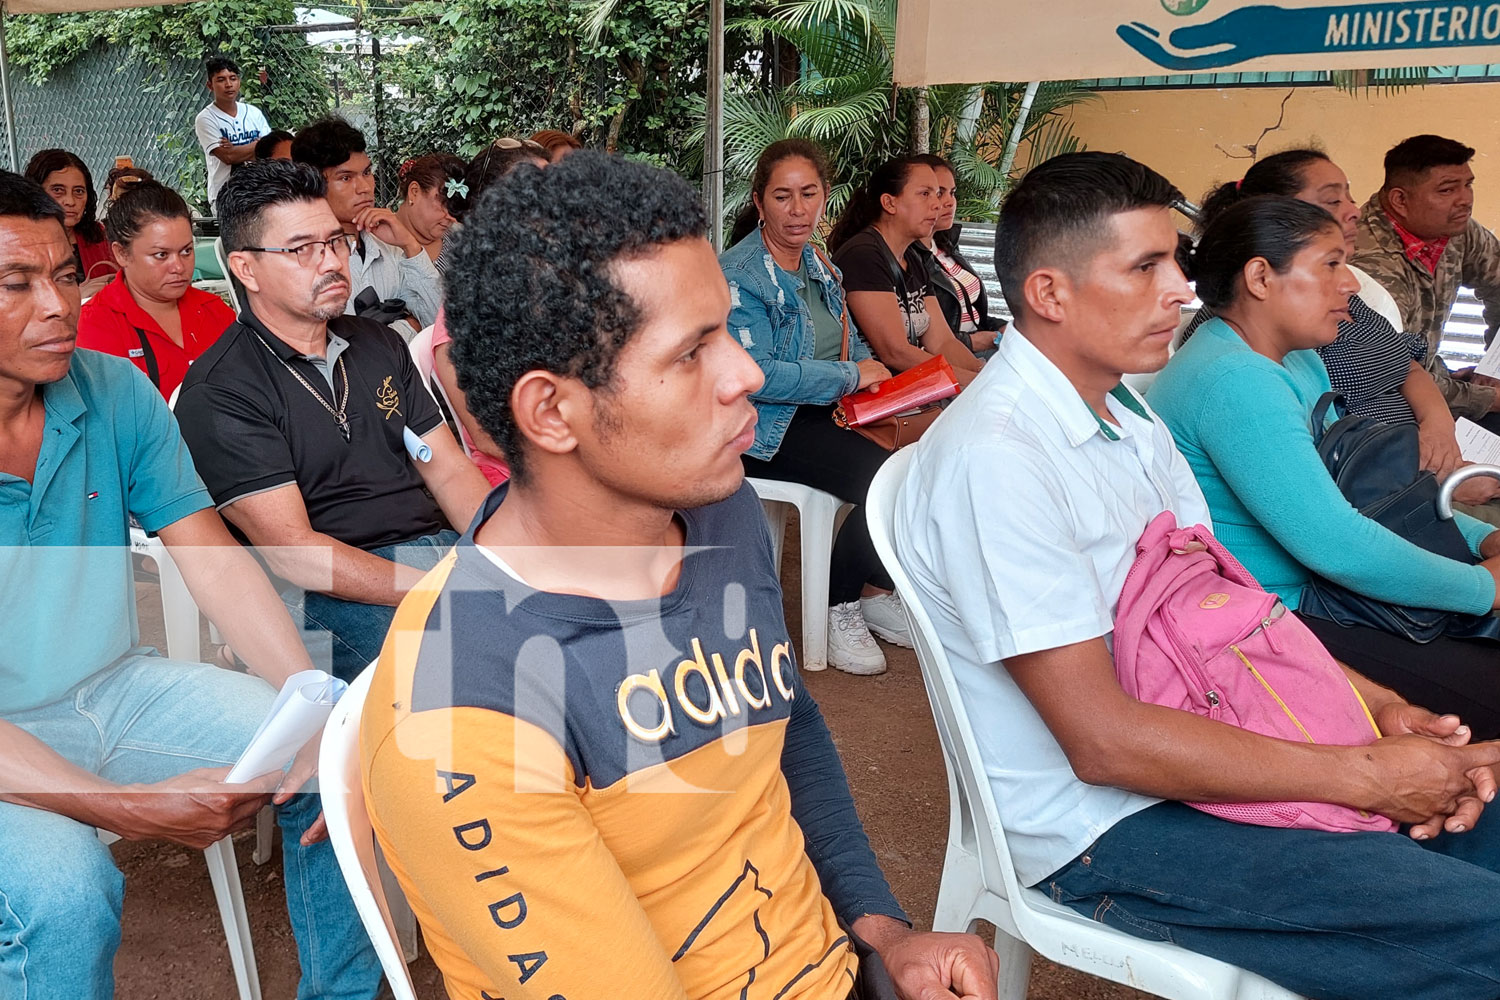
x=1418, y=238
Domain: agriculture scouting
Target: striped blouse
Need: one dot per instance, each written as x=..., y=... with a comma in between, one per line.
x=969, y=285
x=1368, y=362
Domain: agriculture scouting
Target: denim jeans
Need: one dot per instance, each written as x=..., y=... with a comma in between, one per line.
x=1327, y=915
x=144, y=719
x=343, y=637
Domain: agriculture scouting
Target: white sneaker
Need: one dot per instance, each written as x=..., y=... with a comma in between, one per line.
x=851, y=648
x=886, y=617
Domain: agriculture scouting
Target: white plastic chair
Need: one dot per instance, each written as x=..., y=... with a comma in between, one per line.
x=422, y=356
x=234, y=288
x=180, y=615
x=819, y=514
x=979, y=881
x=377, y=898
x=179, y=610
x=224, y=873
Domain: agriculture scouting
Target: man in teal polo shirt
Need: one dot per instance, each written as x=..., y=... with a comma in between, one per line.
x=89, y=720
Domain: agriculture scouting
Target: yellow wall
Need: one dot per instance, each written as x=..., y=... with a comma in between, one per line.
x=1200, y=137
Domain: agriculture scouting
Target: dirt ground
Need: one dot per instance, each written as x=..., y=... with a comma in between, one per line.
x=173, y=944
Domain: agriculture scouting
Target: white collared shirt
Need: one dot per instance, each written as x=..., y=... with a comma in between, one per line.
x=1017, y=524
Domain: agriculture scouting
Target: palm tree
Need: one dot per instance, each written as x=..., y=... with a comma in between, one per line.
x=846, y=101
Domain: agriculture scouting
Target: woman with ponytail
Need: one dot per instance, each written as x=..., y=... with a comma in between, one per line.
x=1239, y=400
x=1373, y=363
x=788, y=310
x=890, y=293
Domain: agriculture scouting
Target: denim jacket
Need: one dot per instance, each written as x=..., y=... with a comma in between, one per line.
x=771, y=321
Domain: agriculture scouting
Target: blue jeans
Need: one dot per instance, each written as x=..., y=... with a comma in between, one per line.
x=1327, y=915
x=343, y=637
x=144, y=719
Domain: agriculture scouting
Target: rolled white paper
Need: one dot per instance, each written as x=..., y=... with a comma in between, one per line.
x=300, y=710
x=415, y=446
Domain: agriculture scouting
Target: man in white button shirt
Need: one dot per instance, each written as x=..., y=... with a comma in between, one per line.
x=1018, y=524
x=393, y=280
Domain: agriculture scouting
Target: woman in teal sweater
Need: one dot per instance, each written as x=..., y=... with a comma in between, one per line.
x=1239, y=397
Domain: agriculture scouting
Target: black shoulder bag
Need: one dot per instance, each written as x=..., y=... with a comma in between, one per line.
x=1377, y=468
x=149, y=357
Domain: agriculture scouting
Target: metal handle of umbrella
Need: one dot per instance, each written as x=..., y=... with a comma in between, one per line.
x=1453, y=482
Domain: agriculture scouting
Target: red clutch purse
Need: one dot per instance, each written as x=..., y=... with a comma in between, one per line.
x=914, y=388
x=895, y=412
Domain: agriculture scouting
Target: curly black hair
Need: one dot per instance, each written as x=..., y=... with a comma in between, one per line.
x=530, y=284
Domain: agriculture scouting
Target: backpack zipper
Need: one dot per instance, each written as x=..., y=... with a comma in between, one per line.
x=1188, y=664
x=1270, y=690
x=1265, y=625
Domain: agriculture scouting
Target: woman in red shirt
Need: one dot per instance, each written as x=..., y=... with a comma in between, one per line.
x=67, y=180
x=151, y=313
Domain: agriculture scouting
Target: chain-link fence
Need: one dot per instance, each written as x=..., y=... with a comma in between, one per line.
x=111, y=102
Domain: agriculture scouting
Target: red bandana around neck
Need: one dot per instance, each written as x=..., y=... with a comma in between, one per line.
x=1420, y=251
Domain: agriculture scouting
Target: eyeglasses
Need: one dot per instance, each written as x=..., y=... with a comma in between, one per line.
x=312, y=253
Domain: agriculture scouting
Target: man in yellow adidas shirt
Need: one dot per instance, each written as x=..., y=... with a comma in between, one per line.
x=587, y=750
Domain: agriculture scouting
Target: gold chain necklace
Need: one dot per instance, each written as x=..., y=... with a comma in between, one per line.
x=338, y=414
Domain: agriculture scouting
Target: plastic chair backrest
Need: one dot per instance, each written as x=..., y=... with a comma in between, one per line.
x=967, y=785
x=236, y=290
x=351, y=834
x=422, y=356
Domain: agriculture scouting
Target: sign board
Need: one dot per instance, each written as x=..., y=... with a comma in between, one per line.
x=977, y=41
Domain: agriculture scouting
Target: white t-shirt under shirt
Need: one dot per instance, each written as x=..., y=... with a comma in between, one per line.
x=1017, y=524
x=246, y=125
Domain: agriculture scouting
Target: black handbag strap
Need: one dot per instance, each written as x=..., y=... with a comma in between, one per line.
x=149, y=356
x=1334, y=400
x=898, y=276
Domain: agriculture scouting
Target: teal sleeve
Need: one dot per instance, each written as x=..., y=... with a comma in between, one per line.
x=1255, y=430
x=163, y=485
x=1475, y=531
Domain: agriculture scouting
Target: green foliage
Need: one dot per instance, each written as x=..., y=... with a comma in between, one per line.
x=971, y=125
x=1359, y=82
x=173, y=41
x=846, y=101
x=625, y=75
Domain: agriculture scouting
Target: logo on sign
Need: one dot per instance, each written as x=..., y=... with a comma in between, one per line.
x=1253, y=31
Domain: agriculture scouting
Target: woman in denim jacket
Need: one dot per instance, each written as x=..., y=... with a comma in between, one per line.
x=788, y=311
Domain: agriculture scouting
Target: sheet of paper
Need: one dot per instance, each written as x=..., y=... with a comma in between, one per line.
x=1490, y=363
x=300, y=710
x=1477, y=444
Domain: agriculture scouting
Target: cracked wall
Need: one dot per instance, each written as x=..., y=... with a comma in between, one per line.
x=1199, y=137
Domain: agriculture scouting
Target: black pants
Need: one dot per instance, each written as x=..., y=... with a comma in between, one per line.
x=1448, y=676
x=817, y=452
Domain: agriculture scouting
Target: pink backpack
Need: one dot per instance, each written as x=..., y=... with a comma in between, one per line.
x=1196, y=632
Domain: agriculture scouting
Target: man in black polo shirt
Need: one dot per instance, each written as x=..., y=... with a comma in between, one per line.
x=296, y=420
